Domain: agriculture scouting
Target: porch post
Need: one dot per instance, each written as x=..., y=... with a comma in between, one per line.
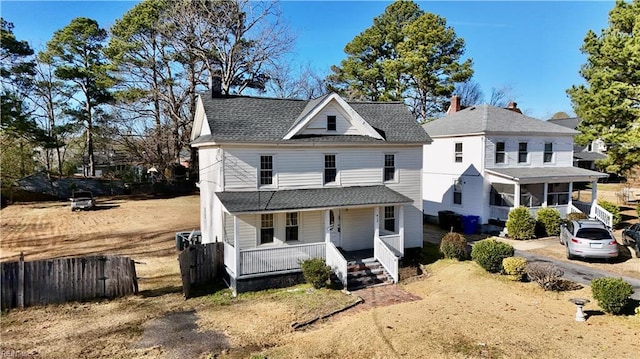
x=327, y=233
x=571, y=193
x=401, y=227
x=376, y=223
x=594, y=197
x=236, y=244
x=545, y=192
x=516, y=195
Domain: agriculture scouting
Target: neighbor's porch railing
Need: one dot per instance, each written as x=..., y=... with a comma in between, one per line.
x=603, y=215
x=230, y=257
x=337, y=262
x=386, y=257
x=277, y=259
x=394, y=241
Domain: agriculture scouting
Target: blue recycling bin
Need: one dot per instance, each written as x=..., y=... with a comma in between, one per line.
x=470, y=224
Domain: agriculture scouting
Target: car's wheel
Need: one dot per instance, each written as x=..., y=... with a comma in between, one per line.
x=569, y=255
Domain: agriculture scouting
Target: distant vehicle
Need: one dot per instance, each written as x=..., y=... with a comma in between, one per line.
x=82, y=200
x=631, y=235
x=588, y=238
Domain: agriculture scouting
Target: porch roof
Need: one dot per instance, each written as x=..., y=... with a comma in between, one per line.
x=547, y=174
x=310, y=199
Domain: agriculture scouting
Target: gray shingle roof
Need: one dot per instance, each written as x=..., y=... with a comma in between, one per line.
x=255, y=119
x=588, y=156
x=291, y=200
x=485, y=119
x=547, y=173
x=571, y=122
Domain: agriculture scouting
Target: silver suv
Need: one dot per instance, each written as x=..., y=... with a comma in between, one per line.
x=588, y=238
x=82, y=200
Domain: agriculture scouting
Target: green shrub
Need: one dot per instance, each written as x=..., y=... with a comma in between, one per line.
x=576, y=216
x=549, y=219
x=612, y=294
x=315, y=272
x=613, y=209
x=489, y=253
x=520, y=224
x=547, y=275
x=514, y=267
x=454, y=246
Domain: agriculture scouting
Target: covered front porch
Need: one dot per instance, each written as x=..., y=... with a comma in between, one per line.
x=274, y=235
x=538, y=188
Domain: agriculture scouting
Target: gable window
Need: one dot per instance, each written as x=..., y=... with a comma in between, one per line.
x=292, y=227
x=266, y=170
x=330, y=169
x=389, y=167
x=500, y=152
x=390, y=218
x=458, y=152
x=523, y=152
x=331, y=123
x=457, y=192
x=266, y=228
x=548, y=152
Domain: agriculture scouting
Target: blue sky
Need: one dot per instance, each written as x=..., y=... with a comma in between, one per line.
x=532, y=47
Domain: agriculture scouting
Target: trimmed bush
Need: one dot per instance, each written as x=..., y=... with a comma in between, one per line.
x=315, y=272
x=613, y=209
x=547, y=275
x=514, y=267
x=549, y=219
x=520, y=224
x=612, y=294
x=576, y=216
x=489, y=253
x=454, y=246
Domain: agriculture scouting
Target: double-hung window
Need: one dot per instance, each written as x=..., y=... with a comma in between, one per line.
x=266, y=228
x=331, y=123
x=266, y=170
x=292, y=227
x=548, y=152
x=500, y=152
x=457, y=192
x=390, y=218
x=330, y=169
x=389, y=167
x=523, y=152
x=458, y=152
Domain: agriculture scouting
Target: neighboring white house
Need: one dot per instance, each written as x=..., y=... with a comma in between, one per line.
x=284, y=180
x=583, y=156
x=486, y=160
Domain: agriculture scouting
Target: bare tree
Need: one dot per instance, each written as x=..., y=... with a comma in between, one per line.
x=500, y=97
x=470, y=93
x=303, y=83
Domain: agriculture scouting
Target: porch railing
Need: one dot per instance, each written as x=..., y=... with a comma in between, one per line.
x=574, y=209
x=386, y=257
x=337, y=262
x=603, y=215
x=582, y=207
x=230, y=257
x=276, y=259
x=501, y=213
x=394, y=241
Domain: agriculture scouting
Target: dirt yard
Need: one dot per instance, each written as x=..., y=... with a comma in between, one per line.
x=455, y=310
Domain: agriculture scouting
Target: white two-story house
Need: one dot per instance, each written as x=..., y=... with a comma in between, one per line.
x=486, y=160
x=285, y=180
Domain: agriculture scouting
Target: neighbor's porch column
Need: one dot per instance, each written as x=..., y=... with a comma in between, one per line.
x=376, y=223
x=516, y=195
x=327, y=223
x=594, y=196
x=236, y=244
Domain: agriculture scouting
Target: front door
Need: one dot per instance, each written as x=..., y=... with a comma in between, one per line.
x=334, y=227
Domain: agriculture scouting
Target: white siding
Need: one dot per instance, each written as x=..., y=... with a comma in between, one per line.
x=318, y=125
x=312, y=229
x=562, y=151
x=241, y=169
x=357, y=228
x=249, y=226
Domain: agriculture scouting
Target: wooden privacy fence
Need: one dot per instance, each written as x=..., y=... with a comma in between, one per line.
x=199, y=264
x=66, y=279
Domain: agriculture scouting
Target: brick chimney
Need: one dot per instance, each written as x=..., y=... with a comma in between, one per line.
x=455, y=104
x=513, y=107
x=215, y=85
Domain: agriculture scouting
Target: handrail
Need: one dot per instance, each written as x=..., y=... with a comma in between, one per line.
x=386, y=257
x=337, y=262
x=603, y=215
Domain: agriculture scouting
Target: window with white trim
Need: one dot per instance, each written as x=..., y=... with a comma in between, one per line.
x=458, y=152
x=457, y=192
x=266, y=228
x=558, y=194
x=389, y=167
x=390, y=218
x=330, y=169
x=291, y=227
x=266, y=170
x=500, y=152
x=331, y=123
x=548, y=152
x=523, y=152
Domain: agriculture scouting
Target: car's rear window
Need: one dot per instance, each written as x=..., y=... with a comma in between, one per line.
x=593, y=233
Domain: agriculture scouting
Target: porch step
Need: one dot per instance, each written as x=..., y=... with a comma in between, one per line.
x=366, y=273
